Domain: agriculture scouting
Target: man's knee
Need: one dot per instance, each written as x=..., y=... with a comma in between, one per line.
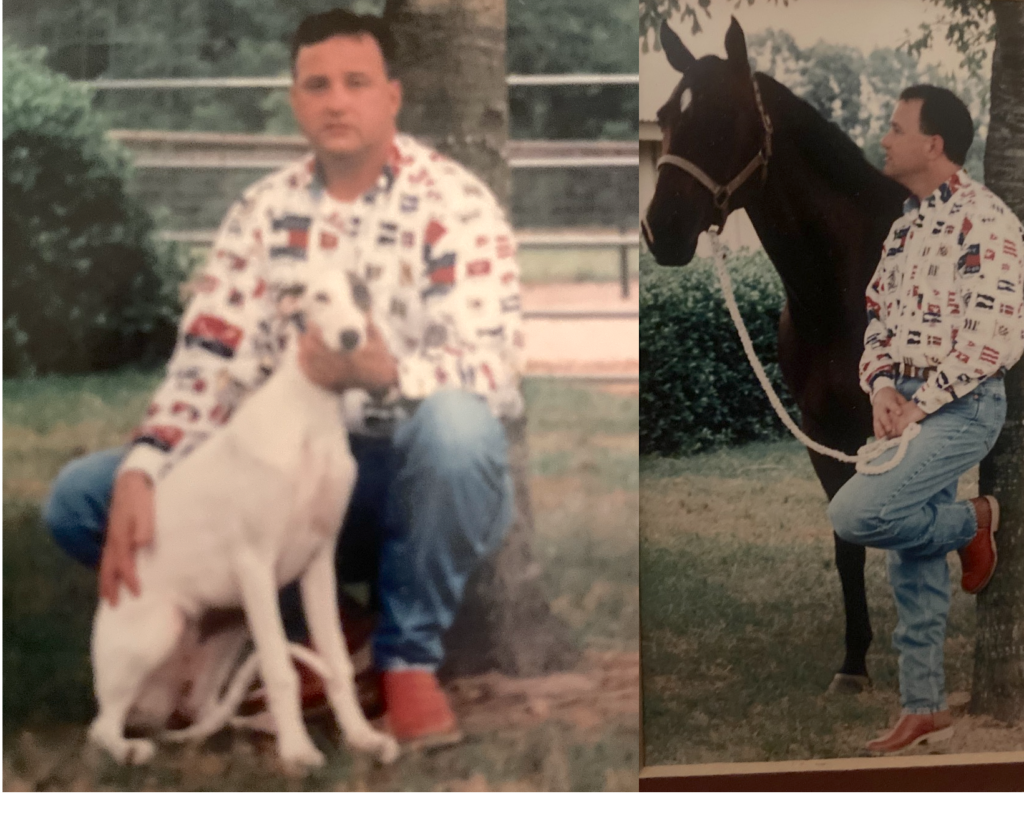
x=456, y=432
x=853, y=520
x=75, y=511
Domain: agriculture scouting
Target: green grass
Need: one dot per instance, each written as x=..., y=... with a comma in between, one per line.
x=742, y=617
x=584, y=487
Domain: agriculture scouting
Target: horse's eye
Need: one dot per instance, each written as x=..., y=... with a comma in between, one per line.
x=685, y=100
x=321, y=297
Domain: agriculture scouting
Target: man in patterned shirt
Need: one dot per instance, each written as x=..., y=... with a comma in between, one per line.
x=430, y=256
x=945, y=321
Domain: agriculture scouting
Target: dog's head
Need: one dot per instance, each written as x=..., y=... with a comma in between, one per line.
x=338, y=309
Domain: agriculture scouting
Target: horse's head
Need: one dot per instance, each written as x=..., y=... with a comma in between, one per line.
x=716, y=141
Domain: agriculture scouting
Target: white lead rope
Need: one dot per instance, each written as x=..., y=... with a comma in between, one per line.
x=867, y=452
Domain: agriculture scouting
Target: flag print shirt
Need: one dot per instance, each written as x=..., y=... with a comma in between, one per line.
x=948, y=293
x=427, y=251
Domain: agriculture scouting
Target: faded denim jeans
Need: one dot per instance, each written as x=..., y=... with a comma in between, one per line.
x=430, y=504
x=912, y=512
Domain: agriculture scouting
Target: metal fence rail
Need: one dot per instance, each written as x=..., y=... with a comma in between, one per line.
x=621, y=242
x=275, y=82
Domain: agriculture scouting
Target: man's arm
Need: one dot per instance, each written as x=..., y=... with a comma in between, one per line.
x=473, y=336
x=216, y=357
x=988, y=282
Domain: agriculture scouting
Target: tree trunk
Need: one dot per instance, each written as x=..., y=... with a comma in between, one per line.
x=451, y=60
x=999, y=652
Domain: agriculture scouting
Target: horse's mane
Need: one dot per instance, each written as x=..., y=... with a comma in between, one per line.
x=824, y=145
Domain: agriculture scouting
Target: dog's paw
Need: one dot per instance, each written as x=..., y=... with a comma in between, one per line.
x=387, y=749
x=301, y=758
x=382, y=746
x=132, y=752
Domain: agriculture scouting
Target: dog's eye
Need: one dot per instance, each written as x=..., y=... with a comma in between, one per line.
x=321, y=297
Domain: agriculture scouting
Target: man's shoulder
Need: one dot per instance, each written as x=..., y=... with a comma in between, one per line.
x=439, y=179
x=984, y=206
x=293, y=179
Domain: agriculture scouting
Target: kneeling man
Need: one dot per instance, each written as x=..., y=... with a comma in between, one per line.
x=430, y=256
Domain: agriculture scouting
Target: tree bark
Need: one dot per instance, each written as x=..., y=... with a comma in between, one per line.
x=998, y=688
x=451, y=60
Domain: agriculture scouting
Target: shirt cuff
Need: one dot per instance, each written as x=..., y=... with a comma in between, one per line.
x=417, y=378
x=143, y=458
x=929, y=398
x=880, y=383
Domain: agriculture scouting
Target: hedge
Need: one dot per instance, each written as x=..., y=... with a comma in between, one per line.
x=697, y=389
x=85, y=286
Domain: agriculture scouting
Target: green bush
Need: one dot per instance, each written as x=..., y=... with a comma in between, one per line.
x=697, y=388
x=85, y=287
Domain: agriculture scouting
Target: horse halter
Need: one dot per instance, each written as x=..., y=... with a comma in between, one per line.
x=720, y=195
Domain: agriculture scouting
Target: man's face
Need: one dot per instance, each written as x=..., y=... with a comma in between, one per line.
x=908, y=152
x=342, y=97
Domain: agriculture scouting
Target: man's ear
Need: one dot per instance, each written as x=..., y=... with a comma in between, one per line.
x=936, y=146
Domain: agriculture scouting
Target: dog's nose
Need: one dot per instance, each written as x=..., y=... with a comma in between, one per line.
x=349, y=339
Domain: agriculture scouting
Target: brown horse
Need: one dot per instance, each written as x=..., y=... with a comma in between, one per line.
x=735, y=139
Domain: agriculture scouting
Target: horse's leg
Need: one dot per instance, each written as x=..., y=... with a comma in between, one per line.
x=852, y=676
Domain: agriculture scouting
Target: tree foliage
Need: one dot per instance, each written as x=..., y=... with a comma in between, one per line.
x=85, y=288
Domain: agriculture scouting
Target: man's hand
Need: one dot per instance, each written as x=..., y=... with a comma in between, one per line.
x=893, y=413
x=911, y=413
x=370, y=367
x=887, y=407
x=129, y=528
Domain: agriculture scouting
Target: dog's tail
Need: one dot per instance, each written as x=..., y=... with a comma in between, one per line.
x=219, y=714
x=222, y=712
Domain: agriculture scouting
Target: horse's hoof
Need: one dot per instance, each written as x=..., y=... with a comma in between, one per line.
x=846, y=683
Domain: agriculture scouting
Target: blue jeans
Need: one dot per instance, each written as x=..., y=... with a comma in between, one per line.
x=912, y=512
x=430, y=504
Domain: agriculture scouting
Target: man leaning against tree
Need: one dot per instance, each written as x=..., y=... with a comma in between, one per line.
x=430, y=256
x=945, y=322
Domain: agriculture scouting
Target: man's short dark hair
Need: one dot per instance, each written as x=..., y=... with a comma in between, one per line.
x=945, y=114
x=324, y=25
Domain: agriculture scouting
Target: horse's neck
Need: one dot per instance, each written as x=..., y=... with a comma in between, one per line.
x=822, y=232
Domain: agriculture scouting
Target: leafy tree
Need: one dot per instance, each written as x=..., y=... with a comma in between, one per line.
x=84, y=286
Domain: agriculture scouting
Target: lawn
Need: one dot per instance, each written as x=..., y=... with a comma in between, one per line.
x=742, y=617
x=568, y=731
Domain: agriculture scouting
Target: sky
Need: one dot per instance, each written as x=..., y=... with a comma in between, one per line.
x=865, y=24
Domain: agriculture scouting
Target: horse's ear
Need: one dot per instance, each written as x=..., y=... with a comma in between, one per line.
x=736, y=47
x=677, y=54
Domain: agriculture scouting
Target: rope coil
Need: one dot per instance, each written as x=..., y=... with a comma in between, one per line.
x=867, y=453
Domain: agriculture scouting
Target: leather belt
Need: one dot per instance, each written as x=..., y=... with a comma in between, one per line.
x=909, y=371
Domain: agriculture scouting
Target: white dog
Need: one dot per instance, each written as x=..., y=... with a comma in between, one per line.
x=253, y=508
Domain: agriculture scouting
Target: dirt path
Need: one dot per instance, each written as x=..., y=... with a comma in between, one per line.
x=585, y=346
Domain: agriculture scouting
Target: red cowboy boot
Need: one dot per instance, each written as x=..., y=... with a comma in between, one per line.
x=417, y=709
x=978, y=558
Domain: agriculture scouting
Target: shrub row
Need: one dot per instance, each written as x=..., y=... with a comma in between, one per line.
x=697, y=389
x=85, y=286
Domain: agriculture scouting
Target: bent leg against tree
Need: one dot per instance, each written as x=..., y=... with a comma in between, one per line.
x=912, y=512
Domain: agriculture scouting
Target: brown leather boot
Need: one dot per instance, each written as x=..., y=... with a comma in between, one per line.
x=978, y=558
x=912, y=729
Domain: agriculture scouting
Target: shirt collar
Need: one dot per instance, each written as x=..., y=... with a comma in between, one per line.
x=946, y=190
x=311, y=177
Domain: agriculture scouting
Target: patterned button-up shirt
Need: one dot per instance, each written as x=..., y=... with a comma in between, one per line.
x=427, y=249
x=948, y=293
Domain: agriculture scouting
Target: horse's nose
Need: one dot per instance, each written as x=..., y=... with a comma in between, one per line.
x=349, y=339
